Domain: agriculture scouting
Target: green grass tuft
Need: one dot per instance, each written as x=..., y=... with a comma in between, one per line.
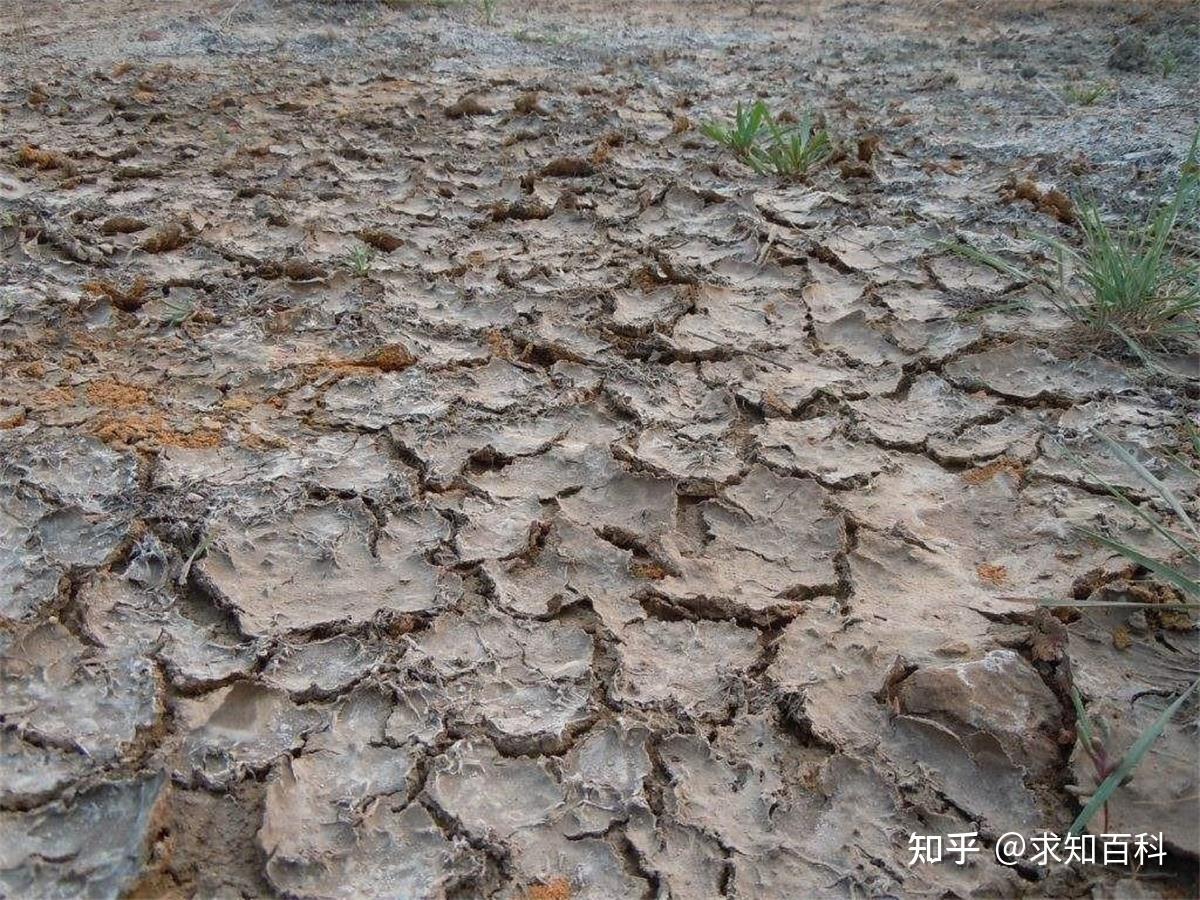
x=1088, y=94
x=768, y=146
x=1129, y=762
x=742, y=137
x=1136, y=282
x=359, y=260
x=1185, y=538
x=792, y=152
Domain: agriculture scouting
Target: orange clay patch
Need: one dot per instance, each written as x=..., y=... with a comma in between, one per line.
x=149, y=432
x=13, y=419
x=650, y=570
x=237, y=403
x=56, y=396
x=108, y=392
x=37, y=158
x=991, y=470
x=996, y=575
x=128, y=299
x=388, y=358
x=555, y=889
x=498, y=343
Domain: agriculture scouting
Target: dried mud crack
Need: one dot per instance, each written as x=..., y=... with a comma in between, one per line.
x=431, y=468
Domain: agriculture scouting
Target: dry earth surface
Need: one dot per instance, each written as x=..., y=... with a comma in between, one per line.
x=623, y=523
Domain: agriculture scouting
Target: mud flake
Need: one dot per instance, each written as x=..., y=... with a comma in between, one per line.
x=325, y=565
x=197, y=647
x=569, y=564
x=700, y=464
x=1079, y=455
x=687, y=860
x=1000, y=694
x=817, y=448
x=605, y=773
x=528, y=686
x=568, y=167
x=129, y=299
x=311, y=848
x=167, y=238
x=71, y=537
x=72, y=701
x=374, y=401
x=394, y=847
x=598, y=870
x=1021, y=371
x=493, y=796
x=683, y=665
x=634, y=506
x=930, y=407
x=122, y=225
x=238, y=729
x=466, y=106
x=322, y=667
x=57, y=850
x=772, y=543
x=497, y=529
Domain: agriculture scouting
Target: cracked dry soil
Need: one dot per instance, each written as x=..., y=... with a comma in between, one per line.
x=623, y=524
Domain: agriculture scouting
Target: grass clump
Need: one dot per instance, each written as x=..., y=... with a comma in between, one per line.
x=1088, y=94
x=1138, y=282
x=1120, y=772
x=1183, y=534
x=1179, y=572
x=359, y=260
x=742, y=137
x=791, y=152
x=768, y=145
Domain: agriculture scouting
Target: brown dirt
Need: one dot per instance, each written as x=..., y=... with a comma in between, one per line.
x=635, y=524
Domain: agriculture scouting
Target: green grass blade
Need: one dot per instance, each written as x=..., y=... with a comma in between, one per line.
x=1129, y=762
x=1135, y=509
x=1162, y=570
x=974, y=254
x=1150, y=478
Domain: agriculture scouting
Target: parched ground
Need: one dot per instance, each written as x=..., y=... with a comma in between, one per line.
x=430, y=467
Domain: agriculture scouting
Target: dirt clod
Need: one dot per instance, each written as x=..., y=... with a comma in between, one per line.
x=383, y=241
x=129, y=299
x=389, y=358
x=467, y=105
x=568, y=167
x=432, y=466
x=165, y=239
x=122, y=225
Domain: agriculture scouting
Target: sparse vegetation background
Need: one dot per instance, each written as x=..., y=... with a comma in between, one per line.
x=590, y=450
